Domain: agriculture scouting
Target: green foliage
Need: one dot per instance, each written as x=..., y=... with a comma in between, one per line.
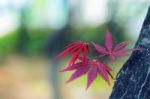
x=35, y=45
x=8, y=43
x=37, y=39
x=88, y=34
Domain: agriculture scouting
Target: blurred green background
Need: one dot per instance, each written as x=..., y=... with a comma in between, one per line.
x=32, y=32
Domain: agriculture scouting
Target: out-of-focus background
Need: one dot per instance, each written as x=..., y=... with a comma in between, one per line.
x=32, y=32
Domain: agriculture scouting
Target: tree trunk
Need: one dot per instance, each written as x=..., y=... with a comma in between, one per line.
x=133, y=80
x=23, y=36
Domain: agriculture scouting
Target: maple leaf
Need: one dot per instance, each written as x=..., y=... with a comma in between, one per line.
x=92, y=68
x=75, y=49
x=98, y=68
x=113, y=51
x=80, y=69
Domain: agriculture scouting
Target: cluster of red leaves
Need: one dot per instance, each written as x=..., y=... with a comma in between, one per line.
x=93, y=67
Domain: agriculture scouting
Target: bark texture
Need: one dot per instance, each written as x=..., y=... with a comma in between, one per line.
x=133, y=80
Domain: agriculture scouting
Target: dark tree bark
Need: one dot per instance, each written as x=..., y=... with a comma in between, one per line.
x=133, y=80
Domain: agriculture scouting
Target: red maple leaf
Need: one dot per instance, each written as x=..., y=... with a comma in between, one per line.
x=92, y=68
x=75, y=49
x=98, y=68
x=113, y=51
x=80, y=68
